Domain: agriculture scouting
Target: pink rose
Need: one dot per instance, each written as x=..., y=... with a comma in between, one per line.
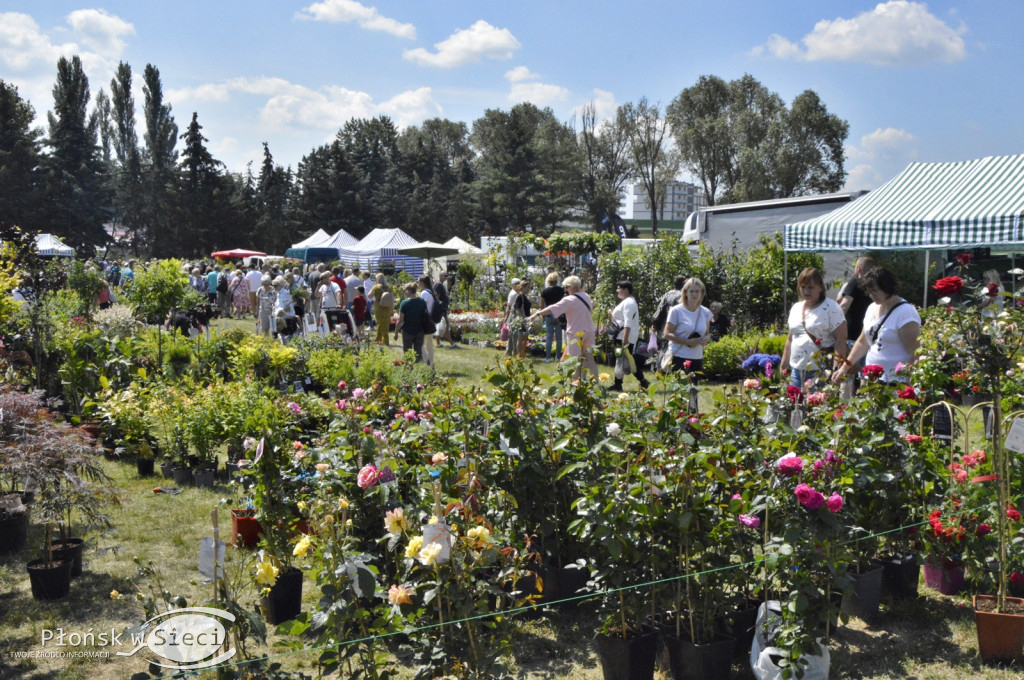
x=751, y=521
x=808, y=497
x=835, y=502
x=789, y=465
x=357, y=393
x=368, y=477
x=912, y=438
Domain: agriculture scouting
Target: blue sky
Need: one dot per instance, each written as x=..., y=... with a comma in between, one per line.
x=932, y=82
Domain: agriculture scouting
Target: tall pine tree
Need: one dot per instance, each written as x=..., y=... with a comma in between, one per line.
x=73, y=171
x=129, y=200
x=19, y=160
x=159, y=175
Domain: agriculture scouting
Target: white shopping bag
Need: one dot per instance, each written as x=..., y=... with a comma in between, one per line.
x=815, y=667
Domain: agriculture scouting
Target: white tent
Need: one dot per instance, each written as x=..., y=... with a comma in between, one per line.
x=51, y=246
x=313, y=240
x=340, y=239
x=379, y=250
x=464, y=247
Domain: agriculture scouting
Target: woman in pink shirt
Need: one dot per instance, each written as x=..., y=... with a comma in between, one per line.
x=579, y=324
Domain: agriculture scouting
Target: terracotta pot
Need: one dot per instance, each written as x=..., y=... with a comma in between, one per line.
x=245, y=529
x=1000, y=636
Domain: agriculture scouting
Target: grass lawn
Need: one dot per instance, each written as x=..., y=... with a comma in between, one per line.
x=932, y=637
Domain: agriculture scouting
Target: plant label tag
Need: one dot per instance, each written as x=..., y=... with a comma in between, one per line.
x=207, y=558
x=1015, y=438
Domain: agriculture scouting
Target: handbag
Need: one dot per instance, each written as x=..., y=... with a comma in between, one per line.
x=665, y=365
x=429, y=328
x=613, y=329
x=503, y=336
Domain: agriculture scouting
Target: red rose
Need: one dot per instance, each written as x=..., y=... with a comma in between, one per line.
x=794, y=393
x=963, y=259
x=1017, y=579
x=908, y=393
x=1012, y=513
x=983, y=529
x=872, y=371
x=948, y=285
x=993, y=289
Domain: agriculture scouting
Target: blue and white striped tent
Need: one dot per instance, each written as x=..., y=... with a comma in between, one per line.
x=928, y=206
x=379, y=250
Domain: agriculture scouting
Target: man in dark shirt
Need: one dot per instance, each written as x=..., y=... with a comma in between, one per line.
x=854, y=301
x=440, y=290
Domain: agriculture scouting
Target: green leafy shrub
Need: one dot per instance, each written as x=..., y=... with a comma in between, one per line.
x=772, y=344
x=725, y=356
x=330, y=366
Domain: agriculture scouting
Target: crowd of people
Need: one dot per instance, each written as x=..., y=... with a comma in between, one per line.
x=867, y=321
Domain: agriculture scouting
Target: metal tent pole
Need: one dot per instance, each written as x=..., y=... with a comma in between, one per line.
x=927, y=261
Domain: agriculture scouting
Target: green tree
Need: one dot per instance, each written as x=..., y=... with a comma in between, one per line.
x=526, y=161
x=604, y=150
x=273, y=189
x=204, y=208
x=436, y=162
x=744, y=144
x=159, y=171
x=19, y=160
x=371, y=145
x=159, y=288
x=324, y=192
x=700, y=125
x=74, y=182
x=650, y=162
x=129, y=199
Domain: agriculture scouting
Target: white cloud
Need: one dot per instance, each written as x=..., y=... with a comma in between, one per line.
x=541, y=94
x=346, y=11
x=328, y=108
x=28, y=55
x=23, y=45
x=101, y=32
x=468, y=45
x=411, y=107
x=894, y=32
x=519, y=74
x=880, y=156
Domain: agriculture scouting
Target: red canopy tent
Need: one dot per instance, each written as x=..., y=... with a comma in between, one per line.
x=237, y=253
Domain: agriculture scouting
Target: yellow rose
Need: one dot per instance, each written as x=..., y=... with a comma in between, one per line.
x=343, y=503
x=479, y=533
x=413, y=549
x=428, y=555
x=394, y=521
x=266, y=573
x=114, y=595
x=301, y=505
x=603, y=377
x=303, y=546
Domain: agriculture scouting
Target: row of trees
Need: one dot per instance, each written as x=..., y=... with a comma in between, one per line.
x=514, y=170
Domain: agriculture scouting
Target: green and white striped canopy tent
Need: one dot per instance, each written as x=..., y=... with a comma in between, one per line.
x=928, y=206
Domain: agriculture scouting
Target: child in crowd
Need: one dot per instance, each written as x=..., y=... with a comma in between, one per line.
x=359, y=309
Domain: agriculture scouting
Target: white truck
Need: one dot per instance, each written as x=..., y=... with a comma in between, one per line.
x=745, y=222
